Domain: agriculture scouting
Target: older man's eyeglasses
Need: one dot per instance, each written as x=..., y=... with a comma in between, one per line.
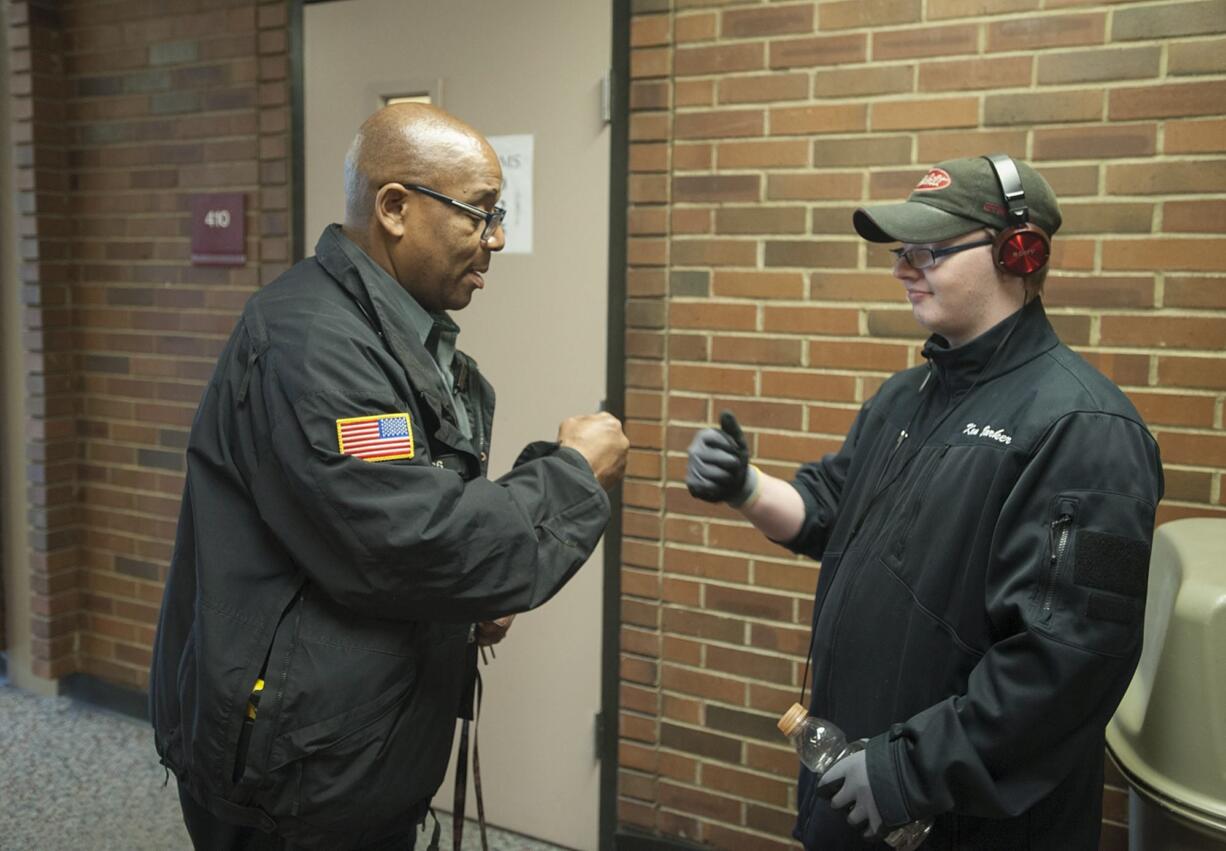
x=492, y=218
x=923, y=258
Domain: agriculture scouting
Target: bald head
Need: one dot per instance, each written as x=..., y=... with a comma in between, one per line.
x=406, y=143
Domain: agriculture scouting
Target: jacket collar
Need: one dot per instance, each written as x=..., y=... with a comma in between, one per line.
x=383, y=302
x=1020, y=338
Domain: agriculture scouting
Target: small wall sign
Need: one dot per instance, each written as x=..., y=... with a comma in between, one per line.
x=218, y=230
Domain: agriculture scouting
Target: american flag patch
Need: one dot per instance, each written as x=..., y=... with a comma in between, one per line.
x=382, y=437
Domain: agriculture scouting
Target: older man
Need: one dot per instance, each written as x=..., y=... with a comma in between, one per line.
x=339, y=537
x=984, y=534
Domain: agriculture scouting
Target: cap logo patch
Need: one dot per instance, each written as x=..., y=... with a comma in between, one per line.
x=937, y=178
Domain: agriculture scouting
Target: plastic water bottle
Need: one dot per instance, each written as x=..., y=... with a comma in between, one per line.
x=820, y=744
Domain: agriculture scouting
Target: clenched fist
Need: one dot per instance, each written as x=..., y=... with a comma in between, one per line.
x=598, y=438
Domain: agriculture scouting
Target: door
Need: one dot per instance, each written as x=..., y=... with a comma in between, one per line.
x=538, y=329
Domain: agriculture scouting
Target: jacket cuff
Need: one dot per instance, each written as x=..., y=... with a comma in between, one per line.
x=811, y=539
x=882, y=758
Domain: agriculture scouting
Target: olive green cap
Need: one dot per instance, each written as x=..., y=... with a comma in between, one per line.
x=957, y=197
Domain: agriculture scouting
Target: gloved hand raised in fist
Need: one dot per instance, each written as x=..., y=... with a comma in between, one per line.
x=719, y=468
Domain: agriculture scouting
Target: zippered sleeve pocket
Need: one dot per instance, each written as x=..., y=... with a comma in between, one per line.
x=1093, y=591
x=1059, y=533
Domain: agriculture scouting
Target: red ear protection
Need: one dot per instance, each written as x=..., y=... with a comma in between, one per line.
x=1022, y=248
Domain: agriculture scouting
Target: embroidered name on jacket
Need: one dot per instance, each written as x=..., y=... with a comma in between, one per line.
x=382, y=437
x=976, y=430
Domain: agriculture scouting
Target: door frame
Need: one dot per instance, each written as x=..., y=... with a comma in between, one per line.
x=615, y=370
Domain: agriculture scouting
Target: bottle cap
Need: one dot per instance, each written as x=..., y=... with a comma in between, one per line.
x=793, y=718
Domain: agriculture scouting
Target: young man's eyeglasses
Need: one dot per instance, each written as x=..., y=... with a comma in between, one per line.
x=923, y=258
x=492, y=218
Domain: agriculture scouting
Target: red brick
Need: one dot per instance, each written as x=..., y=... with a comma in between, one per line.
x=822, y=50
x=1166, y=332
x=800, y=449
x=912, y=42
x=834, y=118
x=1168, y=101
x=783, y=153
x=753, y=665
x=934, y=146
x=1170, y=254
x=697, y=27
x=1192, y=372
x=775, y=20
x=925, y=114
x=764, y=87
x=719, y=124
x=650, y=62
x=1195, y=137
x=694, y=92
x=1168, y=19
x=707, y=565
x=700, y=803
x=731, y=187
x=1202, y=450
x=993, y=73
x=693, y=156
x=811, y=320
x=760, y=219
x=759, y=285
x=731, y=317
x=794, y=642
x=1098, y=291
x=714, y=252
x=757, y=351
x=881, y=357
x=1200, y=56
x=1107, y=218
x=1099, y=142
x=750, y=604
x=1177, y=409
x=701, y=683
x=745, y=785
x=1197, y=293
x=855, y=82
x=682, y=709
x=1123, y=369
x=830, y=419
x=1046, y=31
x=649, y=30
x=712, y=379
x=847, y=14
x=719, y=59
x=1042, y=108
x=820, y=186
x=808, y=386
x=1100, y=64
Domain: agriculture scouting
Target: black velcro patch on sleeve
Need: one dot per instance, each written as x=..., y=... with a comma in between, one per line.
x=1111, y=563
x=1115, y=609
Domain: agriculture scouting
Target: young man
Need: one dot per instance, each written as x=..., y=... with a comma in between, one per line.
x=984, y=534
x=339, y=538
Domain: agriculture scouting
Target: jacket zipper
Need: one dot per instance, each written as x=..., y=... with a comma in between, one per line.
x=1058, y=534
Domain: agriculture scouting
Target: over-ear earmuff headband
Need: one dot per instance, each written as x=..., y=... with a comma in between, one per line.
x=1022, y=248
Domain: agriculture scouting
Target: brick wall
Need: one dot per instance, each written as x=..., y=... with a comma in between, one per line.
x=123, y=109
x=755, y=130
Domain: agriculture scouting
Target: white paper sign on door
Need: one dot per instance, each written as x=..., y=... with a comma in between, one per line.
x=515, y=154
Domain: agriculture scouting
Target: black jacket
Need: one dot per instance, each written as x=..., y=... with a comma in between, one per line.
x=351, y=584
x=979, y=608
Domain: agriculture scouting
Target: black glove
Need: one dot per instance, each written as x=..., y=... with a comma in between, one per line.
x=846, y=785
x=718, y=469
